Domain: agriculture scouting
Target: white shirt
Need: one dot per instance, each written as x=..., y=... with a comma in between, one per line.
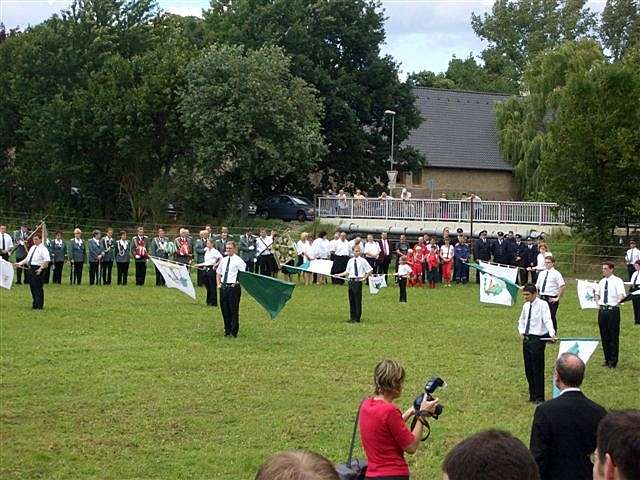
x=321, y=248
x=342, y=248
x=572, y=389
x=404, y=270
x=615, y=291
x=635, y=278
x=371, y=249
x=235, y=263
x=541, y=323
x=554, y=282
x=211, y=256
x=540, y=261
x=386, y=246
x=8, y=242
x=632, y=255
x=263, y=245
x=307, y=251
x=300, y=247
x=38, y=254
x=446, y=252
x=78, y=241
x=363, y=268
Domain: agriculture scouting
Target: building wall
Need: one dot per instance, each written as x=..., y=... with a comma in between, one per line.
x=432, y=182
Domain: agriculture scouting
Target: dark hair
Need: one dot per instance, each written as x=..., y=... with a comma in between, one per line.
x=619, y=436
x=570, y=369
x=322, y=234
x=122, y=232
x=637, y=262
x=297, y=465
x=610, y=265
x=530, y=288
x=490, y=455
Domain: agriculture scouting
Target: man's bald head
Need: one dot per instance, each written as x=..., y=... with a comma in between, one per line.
x=570, y=370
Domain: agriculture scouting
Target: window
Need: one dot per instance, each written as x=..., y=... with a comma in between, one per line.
x=400, y=178
x=417, y=177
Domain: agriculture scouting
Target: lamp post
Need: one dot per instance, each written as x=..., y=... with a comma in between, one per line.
x=393, y=128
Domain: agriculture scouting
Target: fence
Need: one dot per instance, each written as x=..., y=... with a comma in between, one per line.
x=530, y=213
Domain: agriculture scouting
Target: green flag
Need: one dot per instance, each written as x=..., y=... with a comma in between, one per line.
x=269, y=292
x=491, y=291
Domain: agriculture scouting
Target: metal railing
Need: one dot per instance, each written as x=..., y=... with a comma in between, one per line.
x=530, y=213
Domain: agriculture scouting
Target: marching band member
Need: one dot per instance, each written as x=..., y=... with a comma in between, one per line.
x=221, y=241
x=230, y=291
x=77, y=253
x=210, y=261
x=108, y=248
x=58, y=253
x=36, y=260
x=95, y=258
x=199, y=251
x=248, y=250
x=6, y=242
x=20, y=241
x=159, y=248
x=140, y=254
x=122, y=256
x=184, y=247
x=264, y=252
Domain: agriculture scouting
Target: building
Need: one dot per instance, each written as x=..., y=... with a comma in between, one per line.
x=459, y=140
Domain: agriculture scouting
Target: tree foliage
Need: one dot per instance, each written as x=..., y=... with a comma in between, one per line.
x=620, y=27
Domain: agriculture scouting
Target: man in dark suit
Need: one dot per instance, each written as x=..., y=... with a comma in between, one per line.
x=519, y=252
x=502, y=250
x=386, y=247
x=564, y=430
x=481, y=251
x=529, y=259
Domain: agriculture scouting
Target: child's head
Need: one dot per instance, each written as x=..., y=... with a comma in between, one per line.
x=418, y=248
x=403, y=260
x=410, y=251
x=434, y=248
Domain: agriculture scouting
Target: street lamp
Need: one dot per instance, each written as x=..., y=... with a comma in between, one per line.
x=392, y=174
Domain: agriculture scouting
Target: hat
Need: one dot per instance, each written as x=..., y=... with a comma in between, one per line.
x=518, y=236
x=529, y=237
x=482, y=231
x=500, y=234
x=459, y=230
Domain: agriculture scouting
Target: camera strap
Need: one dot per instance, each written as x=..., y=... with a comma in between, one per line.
x=423, y=420
x=353, y=435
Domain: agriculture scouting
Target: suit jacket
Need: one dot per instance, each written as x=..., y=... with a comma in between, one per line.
x=482, y=250
x=530, y=256
x=108, y=248
x=518, y=251
x=76, y=252
x=95, y=249
x=382, y=257
x=247, y=253
x=503, y=252
x=20, y=248
x=563, y=435
x=57, y=252
x=199, y=249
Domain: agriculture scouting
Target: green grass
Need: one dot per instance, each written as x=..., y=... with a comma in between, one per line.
x=130, y=382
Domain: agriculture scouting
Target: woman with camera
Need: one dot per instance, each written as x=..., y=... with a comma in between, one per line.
x=384, y=433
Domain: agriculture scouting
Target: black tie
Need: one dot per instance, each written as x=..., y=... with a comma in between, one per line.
x=31, y=256
x=544, y=283
x=606, y=291
x=226, y=270
x=355, y=266
x=526, y=329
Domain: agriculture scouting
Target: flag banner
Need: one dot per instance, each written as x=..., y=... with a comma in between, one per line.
x=587, y=294
x=41, y=231
x=175, y=275
x=6, y=274
x=497, y=283
x=322, y=267
x=582, y=347
x=269, y=292
x=376, y=282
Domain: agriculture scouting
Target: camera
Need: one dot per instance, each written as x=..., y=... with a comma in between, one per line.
x=431, y=386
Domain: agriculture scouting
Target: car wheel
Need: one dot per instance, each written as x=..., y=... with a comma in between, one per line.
x=301, y=217
x=264, y=214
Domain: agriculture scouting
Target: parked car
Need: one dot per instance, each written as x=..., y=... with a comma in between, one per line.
x=287, y=207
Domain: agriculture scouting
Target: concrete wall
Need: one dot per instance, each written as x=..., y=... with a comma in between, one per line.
x=488, y=184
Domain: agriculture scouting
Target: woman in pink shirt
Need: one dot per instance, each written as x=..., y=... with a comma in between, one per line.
x=383, y=431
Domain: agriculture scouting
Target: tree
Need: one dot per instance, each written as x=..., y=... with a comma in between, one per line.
x=518, y=31
x=251, y=121
x=620, y=26
x=427, y=78
x=334, y=45
x=593, y=152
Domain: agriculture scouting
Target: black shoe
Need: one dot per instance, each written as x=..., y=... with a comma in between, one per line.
x=605, y=364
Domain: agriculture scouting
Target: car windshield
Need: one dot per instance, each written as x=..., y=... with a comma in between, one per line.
x=299, y=201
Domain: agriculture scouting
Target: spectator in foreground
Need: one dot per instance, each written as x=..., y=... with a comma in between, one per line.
x=490, y=455
x=617, y=456
x=297, y=465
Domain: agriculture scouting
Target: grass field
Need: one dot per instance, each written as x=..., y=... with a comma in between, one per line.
x=138, y=382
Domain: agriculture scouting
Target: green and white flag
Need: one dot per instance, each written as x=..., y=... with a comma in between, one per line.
x=176, y=275
x=587, y=294
x=497, y=283
x=6, y=274
x=582, y=347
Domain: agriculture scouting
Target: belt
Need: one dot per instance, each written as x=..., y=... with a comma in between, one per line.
x=229, y=285
x=544, y=297
x=354, y=280
x=609, y=307
x=530, y=336
x=34, y=266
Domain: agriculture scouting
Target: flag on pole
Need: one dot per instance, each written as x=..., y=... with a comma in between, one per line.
x=497, y=283
x=6, y=274
x=41, y=231
x=587, y=294
x=269, y=292
x=582, y=347
x=321, y=267
x=176, y=275
x=376, y=282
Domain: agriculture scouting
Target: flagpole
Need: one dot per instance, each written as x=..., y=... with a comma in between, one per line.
x=30, y=235
x=176, y=263
x=570, y=339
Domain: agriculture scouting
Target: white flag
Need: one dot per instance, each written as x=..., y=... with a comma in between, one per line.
x=582, y=347
x=6, y=274
x=322, y=267
x=494, y=290
x=587, y=294
x=175, y=276
x=376, y=282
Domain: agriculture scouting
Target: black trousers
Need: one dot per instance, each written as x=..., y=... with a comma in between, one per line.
x=630, y=270
x=199, y=277
x=35, y=284
x=636, y=308
x=57, y=272
x=251, y=266
x=553, y=308
x=355, y=300
x=609, y=323
x=106, y=272
x=230, y=308
x=20, y=272
x=267, y=265
x=383, y=265
x=46, y=273
x=402, y=283
x=77, y=272
x=339, y=266
x=94, y=273
x=141, y=272
x=533, y=354
x=160, y=279
x=373, y=263
x=209, y=279
x=123, y=272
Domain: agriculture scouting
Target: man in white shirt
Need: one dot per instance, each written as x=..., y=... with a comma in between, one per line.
x=264, y=252
x=550, y=285
x=630, y=257
x=36, y=261
x=372, y=253
x=358, y=270
x=610, y=293
x=6, y=242
x=534, y=324
x=342, y=253
x=634, y=292
x=321, y=250
x=212, y=257
x=228, y=282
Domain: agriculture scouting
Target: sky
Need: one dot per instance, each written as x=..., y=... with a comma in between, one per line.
x=421, y=34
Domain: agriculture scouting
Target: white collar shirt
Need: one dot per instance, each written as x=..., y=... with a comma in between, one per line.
x=635, y=278
x=363, y=268
x=211, y=256
x=446, y=252
x=233, y=264
x=404, y=270
x=386, y=246
x=263, y=245
x=632, y=255
x=615, y=291
x=540, y=323
x=300, y=247
x=321, y=248
x=570, y=389
x=6, y=242
x=38, y=254
x=371, y=249
x=549, y=282
x=342, y=248
x=78, y=241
